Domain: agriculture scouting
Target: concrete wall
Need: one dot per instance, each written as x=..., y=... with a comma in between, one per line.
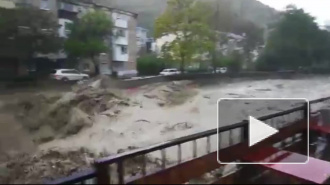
x=203, y=79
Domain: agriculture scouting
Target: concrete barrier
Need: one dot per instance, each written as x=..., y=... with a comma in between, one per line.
x=203, y=78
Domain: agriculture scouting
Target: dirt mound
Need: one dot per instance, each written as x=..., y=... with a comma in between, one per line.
x=172, y=93
x=44, y=166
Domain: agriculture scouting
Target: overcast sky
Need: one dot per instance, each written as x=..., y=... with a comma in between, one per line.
x=317, y=8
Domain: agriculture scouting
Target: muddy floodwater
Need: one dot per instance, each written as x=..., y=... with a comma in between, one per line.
x=151, y=121
x=50, y=134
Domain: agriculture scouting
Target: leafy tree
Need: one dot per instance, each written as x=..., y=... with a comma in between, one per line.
x=187, y=21
x=150, y=65
x=88, y=36
x=253, y=37
x=233, y=62
x=296, y=41
x=225, y=20
x=26, y=32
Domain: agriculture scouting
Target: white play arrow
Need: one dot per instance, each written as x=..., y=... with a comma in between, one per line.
x=259, y=131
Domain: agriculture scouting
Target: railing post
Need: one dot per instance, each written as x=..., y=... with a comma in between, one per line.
x=102, y=173
x=245, y=136
x=305, y=134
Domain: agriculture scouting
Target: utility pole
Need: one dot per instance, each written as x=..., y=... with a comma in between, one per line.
x=216, y=28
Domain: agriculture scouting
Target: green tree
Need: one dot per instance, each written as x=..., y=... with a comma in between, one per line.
x=150, y=65
x=26, y=32
x=296, y=41
x=186, y=20
x=233, y=62
x=225, y=19
x=89, y=36
x=253, y=38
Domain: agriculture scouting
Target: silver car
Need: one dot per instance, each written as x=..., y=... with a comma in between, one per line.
x=68, y=75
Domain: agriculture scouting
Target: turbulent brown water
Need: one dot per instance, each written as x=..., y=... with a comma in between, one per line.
x=149, y=123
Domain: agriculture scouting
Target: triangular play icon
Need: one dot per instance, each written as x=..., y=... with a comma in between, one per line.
x=258, y=131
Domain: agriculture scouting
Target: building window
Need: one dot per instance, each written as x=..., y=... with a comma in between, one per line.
x=44, y=4
x=67, y=27
x=123, y=50
x=121, y=33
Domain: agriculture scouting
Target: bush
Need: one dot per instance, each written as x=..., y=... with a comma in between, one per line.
x=233, y=62
x=266, y=62
x=150, y=65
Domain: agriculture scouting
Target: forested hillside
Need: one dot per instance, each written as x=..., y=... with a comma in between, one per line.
x=149, y=10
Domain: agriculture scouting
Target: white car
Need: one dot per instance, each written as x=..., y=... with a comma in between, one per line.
x=222, y=70
x=68, y=75
x=167, y=72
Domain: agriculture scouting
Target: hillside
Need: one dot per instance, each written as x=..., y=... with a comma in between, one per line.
x=149, y=10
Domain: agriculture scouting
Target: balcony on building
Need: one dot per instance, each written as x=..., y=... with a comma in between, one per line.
x=64, y=27
x=121, y=23
x=67, y=10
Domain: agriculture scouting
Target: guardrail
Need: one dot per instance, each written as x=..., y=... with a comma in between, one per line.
x=85, y=177
x=104, y=175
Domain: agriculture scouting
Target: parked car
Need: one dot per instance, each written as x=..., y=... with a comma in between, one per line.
x=68, y=75
x=222, y=70
x=167, y=72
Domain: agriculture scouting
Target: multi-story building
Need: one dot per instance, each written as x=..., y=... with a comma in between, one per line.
x=123, y=42
x=141, y=37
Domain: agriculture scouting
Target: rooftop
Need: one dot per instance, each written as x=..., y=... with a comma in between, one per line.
x=92, y=3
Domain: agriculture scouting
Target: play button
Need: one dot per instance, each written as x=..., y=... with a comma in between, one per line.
x=247, y=124
x=259, y=131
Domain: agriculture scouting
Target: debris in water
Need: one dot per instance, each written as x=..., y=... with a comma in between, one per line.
x=48, y=116
x=177, y=127
x=161, y=104
x=142, y=120
x=280, y=86
x=265, y=90
x=150, y=96
x=233, y=94
x=45, y=165
x=172, y=93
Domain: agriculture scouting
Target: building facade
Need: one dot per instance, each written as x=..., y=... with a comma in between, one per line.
x=123, y=42
x=141, y=37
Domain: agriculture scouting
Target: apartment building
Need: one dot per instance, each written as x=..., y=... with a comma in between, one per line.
x=123, y=43
x=141, y=37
